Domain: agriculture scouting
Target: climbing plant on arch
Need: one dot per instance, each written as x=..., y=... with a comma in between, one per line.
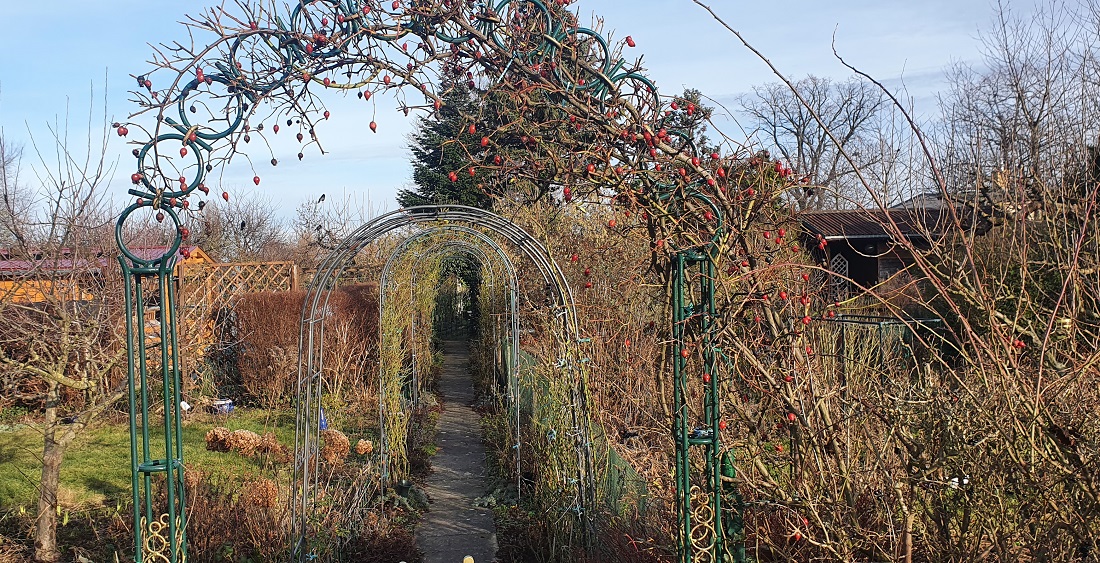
x=498, y=273
x=570, y=458
x=569, y=115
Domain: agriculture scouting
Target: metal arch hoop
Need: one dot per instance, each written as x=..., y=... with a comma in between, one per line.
x=513, y=279
x=534, y=250
x=311, y=356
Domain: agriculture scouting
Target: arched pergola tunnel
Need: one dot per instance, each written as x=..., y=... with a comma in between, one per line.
x=429, y=250
x=500, y=284
x=432, y=233
x=495, y=263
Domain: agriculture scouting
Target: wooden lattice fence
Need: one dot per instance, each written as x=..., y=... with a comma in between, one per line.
x=207, y=294
x=351, y=275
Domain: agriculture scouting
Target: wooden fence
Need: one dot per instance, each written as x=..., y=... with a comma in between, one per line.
x=206, y=296
x=350, y=275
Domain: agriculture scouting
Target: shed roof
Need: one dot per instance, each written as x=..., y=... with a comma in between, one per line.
x=65, y=261
x=873, y=223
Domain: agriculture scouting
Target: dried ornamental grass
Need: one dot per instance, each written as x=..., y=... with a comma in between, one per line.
x=192, y=479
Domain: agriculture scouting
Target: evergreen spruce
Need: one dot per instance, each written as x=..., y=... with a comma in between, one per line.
x=442, y=144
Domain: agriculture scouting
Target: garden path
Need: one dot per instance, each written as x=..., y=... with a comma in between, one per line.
x=454, y=527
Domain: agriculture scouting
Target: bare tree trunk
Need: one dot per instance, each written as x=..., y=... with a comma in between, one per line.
x=45, y=529
x=55, y=441
x=908, y=540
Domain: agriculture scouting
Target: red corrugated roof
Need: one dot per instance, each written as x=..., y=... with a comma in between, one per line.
x=50, y=264
x=62, y=262
x=150, y=252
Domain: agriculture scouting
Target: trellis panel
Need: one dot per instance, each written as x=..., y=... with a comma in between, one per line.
x=208, y=290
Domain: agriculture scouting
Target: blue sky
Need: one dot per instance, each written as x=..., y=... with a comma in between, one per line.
x=55, y=53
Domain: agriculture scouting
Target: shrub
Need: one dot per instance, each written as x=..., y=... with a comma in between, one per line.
x=269, y=328
x=217, y=439
x=227, y=521
x=336, y=448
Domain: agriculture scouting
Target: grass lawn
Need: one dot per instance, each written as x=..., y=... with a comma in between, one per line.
x=96, y=468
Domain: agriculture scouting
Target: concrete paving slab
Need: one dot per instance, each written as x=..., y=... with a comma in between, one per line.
x=453, y=527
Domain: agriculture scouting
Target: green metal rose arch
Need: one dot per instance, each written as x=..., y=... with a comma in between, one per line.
x=265, y=69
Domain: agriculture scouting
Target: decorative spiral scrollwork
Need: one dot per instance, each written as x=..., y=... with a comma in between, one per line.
x=333, y=44
x=157, y=544
x=702, y=526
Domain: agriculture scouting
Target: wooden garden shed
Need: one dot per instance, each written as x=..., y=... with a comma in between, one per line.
x=35, y=277
x=858, y=248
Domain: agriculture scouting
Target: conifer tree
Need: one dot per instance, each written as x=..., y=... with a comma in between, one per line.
x=441, y=148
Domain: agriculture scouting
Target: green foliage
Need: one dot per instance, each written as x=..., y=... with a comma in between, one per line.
x=467, y=269
x=694, y=124
x=441, y=146
x=12, y=414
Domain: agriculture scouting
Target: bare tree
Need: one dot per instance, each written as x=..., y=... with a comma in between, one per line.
x=62, y=321
x=849, y=110
x=1026, y=113
x=1021, y=150
x=245, y=229
x=320, y=224
x=15, y=202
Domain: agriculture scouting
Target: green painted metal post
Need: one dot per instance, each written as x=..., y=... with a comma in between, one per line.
x=159, y=519
x=693, y=310
x=679, y=421
x=712, y=406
